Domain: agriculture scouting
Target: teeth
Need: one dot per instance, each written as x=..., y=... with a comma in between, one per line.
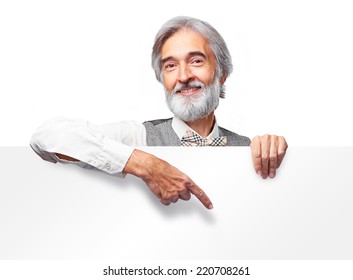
x=188, y=90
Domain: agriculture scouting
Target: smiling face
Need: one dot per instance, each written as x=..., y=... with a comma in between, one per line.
x=189, y=75
x=187, y=56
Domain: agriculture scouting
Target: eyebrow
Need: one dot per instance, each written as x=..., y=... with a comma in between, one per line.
x=190, y=54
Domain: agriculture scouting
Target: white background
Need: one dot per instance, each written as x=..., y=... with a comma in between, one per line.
x=91, y=59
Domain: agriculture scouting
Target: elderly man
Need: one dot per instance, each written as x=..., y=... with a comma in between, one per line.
x=192, y=62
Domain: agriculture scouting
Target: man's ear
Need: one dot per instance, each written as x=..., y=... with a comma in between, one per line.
x=223, y=79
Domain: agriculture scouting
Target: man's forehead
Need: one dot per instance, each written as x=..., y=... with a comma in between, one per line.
x=184, y=42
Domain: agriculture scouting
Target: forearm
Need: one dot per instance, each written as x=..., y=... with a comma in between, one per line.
x=67, y=158
x=67, y=140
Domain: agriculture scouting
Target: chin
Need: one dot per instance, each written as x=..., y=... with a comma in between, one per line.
x=196, y=106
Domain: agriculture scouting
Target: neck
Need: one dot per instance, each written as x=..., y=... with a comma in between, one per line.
x=204, y=125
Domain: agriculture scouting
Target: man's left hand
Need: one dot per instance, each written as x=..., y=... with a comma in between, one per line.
x=268, y=152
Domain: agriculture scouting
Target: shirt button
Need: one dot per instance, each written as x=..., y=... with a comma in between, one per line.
x=107, y=166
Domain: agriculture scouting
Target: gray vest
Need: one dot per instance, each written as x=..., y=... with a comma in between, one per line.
x=161, y=133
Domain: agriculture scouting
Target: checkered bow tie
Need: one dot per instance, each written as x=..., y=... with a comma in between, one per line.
x=190, y=139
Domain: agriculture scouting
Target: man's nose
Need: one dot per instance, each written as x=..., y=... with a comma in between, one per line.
x=185, y=73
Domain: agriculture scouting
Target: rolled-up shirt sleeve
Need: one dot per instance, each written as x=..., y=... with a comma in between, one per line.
x=104, y=147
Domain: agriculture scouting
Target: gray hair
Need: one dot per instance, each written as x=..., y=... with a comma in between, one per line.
x=217, y=44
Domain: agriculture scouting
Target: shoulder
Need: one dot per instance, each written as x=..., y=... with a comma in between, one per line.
x=233, y=138
x=158, y=122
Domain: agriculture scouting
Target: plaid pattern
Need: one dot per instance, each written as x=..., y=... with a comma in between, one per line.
x=191, y=139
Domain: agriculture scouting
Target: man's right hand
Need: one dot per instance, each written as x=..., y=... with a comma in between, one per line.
x=164, y=180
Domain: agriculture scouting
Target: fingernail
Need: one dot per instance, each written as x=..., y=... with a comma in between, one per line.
x=259, y=173
x=210, y=206
x=272, y=175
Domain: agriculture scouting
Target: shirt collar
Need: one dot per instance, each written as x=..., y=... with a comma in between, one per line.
x=180, y=127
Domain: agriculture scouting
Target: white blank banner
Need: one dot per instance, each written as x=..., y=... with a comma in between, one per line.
x=53, y=212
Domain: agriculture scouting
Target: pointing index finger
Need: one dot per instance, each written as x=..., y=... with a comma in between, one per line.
x=200, y=195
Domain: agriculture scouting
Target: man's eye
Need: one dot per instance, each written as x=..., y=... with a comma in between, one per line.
x=169, y=66
x=197, y=61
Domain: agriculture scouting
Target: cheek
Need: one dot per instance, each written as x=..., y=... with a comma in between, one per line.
x=204, y=75
x=169, y=81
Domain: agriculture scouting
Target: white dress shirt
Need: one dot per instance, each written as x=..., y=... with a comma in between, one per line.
x=105, y=147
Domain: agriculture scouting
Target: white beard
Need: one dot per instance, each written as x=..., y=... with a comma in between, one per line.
x=193, y=107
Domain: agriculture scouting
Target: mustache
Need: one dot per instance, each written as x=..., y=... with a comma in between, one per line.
x=181, y=86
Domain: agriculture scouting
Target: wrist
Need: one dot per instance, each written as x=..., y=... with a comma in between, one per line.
x=138, y=163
